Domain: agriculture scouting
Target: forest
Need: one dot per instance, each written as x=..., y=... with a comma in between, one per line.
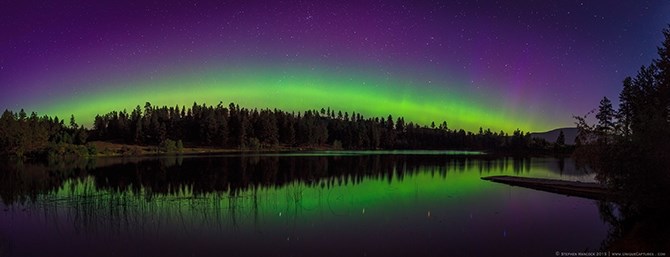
x=629, y=149
x=233, y=127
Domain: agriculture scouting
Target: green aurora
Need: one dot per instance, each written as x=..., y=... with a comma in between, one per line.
x=298, y=89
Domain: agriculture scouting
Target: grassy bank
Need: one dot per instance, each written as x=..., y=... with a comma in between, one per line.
x=104, y=148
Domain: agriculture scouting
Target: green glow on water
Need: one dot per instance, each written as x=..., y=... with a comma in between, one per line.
x=429, y=199
x=338, y=196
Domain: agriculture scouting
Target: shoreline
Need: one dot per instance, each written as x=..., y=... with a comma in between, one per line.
x=104, y=149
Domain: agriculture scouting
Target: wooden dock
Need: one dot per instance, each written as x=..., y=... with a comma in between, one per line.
x=571, y=188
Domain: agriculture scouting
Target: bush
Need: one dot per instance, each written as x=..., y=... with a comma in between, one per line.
x=180, y=146
x=254, y=144
x=92, y=151
x=80, y=151
x=65, y=150
x=19, y=152
x=337, y=145
x=170, y=146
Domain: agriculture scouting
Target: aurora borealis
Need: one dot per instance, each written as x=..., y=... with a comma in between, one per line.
x=528, y=65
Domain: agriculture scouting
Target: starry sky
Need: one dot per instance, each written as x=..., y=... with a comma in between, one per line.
x=494, y=64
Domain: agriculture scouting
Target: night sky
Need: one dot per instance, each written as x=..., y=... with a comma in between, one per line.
x=498, y=64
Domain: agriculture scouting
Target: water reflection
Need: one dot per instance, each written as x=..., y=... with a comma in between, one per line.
x=270, y=200
x=173, y=175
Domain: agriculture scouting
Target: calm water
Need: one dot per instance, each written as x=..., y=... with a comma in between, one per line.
x=307, y=204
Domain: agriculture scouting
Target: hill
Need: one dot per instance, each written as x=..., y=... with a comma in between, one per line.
x=551, y=135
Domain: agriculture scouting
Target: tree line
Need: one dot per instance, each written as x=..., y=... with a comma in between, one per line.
x=33, y=135
x=241, y=128
x=234, y=127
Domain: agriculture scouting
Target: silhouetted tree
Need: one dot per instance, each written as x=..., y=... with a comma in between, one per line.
x=632, y=151
x=560, y=140
x=605, y=117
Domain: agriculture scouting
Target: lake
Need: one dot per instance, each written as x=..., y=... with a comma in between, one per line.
x=356, y=203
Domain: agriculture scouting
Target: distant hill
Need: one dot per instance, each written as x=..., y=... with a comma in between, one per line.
x=551, y=135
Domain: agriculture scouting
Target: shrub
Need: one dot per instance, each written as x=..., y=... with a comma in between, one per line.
x=168, y=146
x=337, y=145
x=180, y=146
x=92, y=150
x=254, y=144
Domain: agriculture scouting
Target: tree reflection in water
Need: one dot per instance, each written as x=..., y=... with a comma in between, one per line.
x=185, y=195
x=140, y=192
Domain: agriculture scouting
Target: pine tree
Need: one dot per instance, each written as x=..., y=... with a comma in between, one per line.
x=400, y=125
x=625, y=113
x=560, y=141
x=605, y=118
x=73, y=123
